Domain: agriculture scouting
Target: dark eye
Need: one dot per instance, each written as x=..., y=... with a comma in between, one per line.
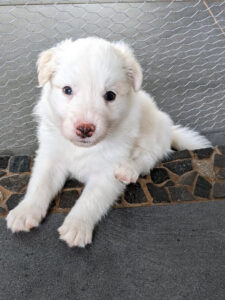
x=110, y=96
x=67, y=90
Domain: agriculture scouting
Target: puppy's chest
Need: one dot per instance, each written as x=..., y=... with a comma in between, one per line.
x=84, y=164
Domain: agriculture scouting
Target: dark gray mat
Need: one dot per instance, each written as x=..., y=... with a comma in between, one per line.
x=164, y=252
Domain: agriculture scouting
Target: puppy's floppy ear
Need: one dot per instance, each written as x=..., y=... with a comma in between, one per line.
x=133, y=69
x=45, y=66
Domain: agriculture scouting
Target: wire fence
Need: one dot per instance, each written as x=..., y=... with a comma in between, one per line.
x=180, y=45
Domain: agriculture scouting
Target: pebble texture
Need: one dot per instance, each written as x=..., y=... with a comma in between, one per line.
x=197, y=175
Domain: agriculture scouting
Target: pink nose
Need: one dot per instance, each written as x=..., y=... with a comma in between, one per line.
x=84, y=130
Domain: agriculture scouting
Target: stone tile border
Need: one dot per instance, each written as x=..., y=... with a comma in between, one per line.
x=192, y=176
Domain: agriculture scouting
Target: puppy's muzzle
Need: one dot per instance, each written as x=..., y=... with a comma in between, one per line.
x=84, y=130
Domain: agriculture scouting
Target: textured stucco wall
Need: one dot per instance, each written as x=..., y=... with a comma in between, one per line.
x=180, y=47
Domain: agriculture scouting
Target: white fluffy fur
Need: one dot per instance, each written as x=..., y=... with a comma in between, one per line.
x=131, y=135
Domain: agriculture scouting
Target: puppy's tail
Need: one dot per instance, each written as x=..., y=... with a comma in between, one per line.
x=185, y=138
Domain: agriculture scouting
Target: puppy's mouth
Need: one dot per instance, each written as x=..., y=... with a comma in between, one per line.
x=84, y=142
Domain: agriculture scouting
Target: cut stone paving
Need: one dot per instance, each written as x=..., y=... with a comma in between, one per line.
x=202, y=187
x=179, y=167
x=197, y=175
x=203, y=153
x=19, y=164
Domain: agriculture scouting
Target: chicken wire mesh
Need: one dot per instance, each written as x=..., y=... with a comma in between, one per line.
x=180, y=45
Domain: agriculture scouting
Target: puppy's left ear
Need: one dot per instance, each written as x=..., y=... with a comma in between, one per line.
x=134, y=71
x=45, y=66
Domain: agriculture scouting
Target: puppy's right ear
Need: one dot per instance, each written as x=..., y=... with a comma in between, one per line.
x=45, y=66
x=133, y=68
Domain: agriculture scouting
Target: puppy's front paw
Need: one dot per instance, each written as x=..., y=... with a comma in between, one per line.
x=24, y=217
x=75, y=232
x=126, y=174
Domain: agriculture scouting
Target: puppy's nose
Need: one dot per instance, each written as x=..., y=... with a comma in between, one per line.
x=85, y=130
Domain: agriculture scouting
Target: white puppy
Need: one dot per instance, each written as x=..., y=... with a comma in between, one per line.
x=95, y=124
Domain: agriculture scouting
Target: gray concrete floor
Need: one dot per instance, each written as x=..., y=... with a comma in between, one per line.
x=165, y=252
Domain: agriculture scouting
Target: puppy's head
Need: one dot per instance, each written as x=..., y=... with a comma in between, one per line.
x=89, y=82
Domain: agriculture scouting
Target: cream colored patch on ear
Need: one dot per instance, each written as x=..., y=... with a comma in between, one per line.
x=45, y=66
x=133, y=68
x=46, y=61
x=135, y=75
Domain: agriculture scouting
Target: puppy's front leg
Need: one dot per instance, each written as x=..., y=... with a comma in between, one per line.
x=48, y=176
x=98, y=196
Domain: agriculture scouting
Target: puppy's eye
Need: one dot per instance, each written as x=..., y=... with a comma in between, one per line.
x=67, y=90
x=110, y=96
